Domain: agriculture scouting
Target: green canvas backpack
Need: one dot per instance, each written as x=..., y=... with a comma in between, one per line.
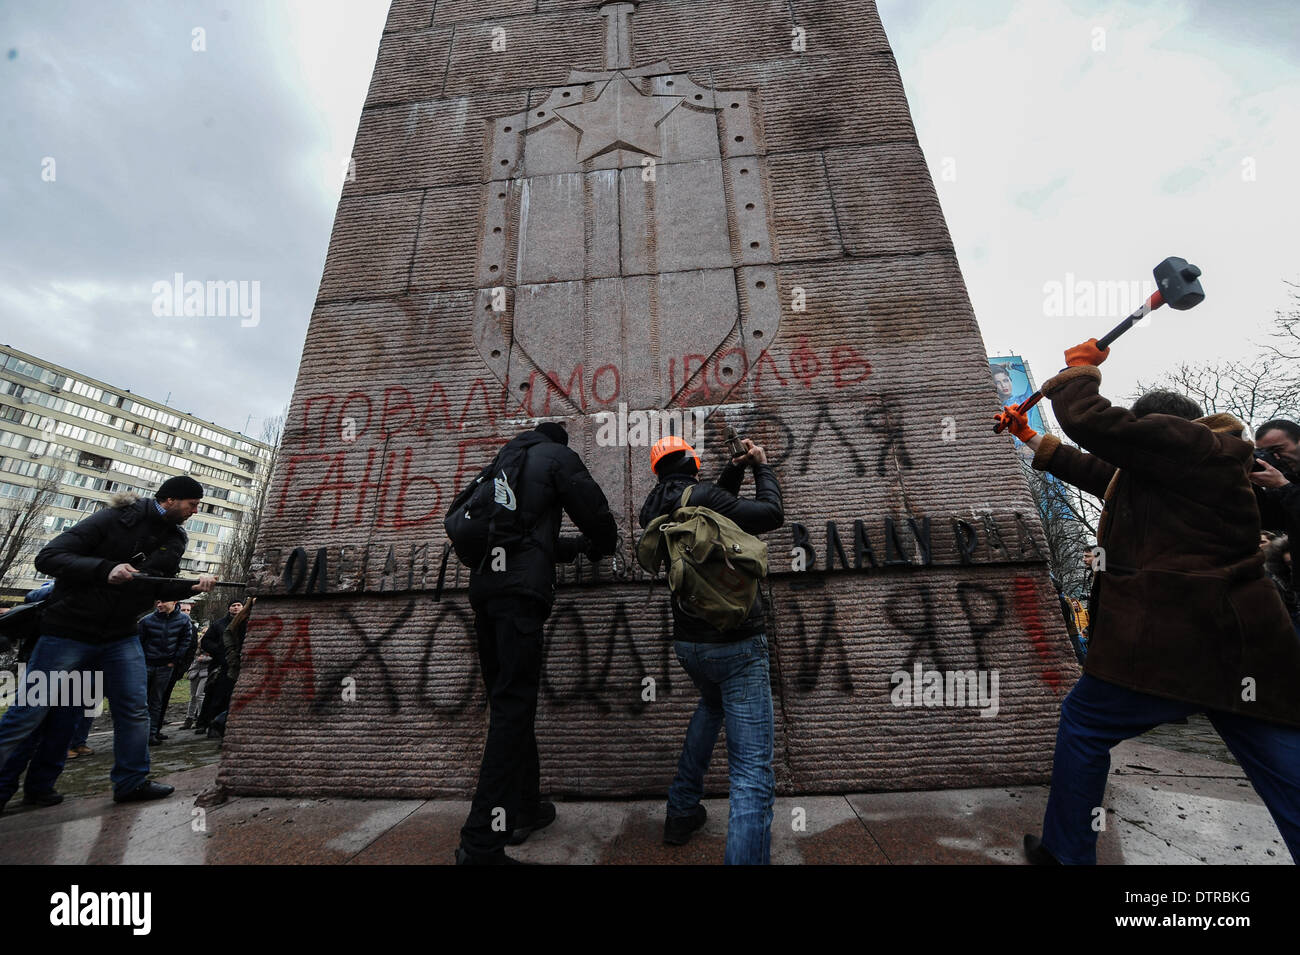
x=713, y=566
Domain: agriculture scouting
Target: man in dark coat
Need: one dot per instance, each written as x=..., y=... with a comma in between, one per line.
x=164, y=636
x=1183, y=618
x=511, y=604
x=1278, y=488
x=221, y=681
x=89, y=621
x=729, y=667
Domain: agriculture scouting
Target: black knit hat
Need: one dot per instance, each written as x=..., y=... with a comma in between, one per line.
x=553, y=430
x=182, y=488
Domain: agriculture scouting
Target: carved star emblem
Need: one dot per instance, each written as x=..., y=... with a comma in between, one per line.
x=621, y=117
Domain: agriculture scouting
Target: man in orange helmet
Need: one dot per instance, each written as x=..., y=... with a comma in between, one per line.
x=729, y=667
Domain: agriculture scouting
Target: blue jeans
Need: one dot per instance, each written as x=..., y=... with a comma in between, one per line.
x=1096, y=715
x=42, y=754
x=734, y=686
x=81, y=732
x=122, y=664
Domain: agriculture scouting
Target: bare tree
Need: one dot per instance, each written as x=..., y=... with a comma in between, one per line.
x=1285, y=336
x=239, y=556
x=1255, y=390
x=22, y=525
x=1069, y=518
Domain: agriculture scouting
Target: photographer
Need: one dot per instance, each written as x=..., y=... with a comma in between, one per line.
x=1183, y=618
x=1279, y=566
x=1277, y=480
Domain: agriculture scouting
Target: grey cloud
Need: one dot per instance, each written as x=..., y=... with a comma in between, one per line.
x=168, y=160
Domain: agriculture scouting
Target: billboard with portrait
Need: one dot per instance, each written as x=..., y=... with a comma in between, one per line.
x=1012, y=384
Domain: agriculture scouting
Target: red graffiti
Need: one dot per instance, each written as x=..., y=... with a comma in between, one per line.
x=327, y=419
x=845, y=360
x=1030, y=613
x=274, y=671
x=575, y=383
x=330, y=424
x=595, y=384
x=386, y=483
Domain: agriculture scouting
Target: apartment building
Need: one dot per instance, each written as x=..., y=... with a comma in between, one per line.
x=96, y=440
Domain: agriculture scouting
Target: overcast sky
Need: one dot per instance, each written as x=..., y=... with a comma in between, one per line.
x=1065, y=136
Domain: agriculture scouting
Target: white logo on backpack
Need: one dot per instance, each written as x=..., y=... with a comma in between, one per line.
x=502, y=493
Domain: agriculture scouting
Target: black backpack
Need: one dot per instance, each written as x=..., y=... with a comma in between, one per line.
x=20, y=628
x=486, y=514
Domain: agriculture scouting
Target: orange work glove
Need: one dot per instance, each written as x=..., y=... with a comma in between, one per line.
x=1017, y=422
x=1086, y=354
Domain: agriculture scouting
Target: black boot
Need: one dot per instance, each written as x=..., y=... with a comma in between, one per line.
x=678, y=829
x=1037, y=853
x=531, y=822
x=48, y=798
x=145, y=791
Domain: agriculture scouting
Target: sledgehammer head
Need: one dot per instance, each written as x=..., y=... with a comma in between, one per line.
x=1179, y=283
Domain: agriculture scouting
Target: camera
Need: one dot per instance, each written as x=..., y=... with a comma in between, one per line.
x=1267, y=456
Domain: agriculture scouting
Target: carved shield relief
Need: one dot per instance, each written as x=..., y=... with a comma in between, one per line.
x=624, y=225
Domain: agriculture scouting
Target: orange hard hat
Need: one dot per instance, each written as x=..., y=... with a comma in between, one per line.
x=667, y=445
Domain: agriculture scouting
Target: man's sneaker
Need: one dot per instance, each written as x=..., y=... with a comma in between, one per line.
x=200, y=728
x=154, y=741
x=1037, y=853
x=146, y=790
x=162, y=735
x=484, y=858
x=188, y=724
x=531, y=822
x=83, y=750
x=73, y=754
x=678, y=829
x=47, y=798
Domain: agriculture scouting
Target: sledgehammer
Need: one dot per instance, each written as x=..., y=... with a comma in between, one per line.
x=1178, y=285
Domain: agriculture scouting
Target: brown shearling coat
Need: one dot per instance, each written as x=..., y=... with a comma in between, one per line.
x=1183, y=609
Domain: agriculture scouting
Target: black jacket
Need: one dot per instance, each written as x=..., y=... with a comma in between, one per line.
x=759, y=516
x=212, y=643
x=83, y=605
x=552, y=477
x=165, y=637
x=1279, y=511
x=191, y=644
x=232, y=639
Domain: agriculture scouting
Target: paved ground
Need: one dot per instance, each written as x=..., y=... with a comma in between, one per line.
x=1164, y=806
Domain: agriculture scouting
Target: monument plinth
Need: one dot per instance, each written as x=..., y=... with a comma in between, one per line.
x=609, y=214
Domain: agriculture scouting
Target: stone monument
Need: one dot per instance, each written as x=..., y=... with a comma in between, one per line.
x=637, y=218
